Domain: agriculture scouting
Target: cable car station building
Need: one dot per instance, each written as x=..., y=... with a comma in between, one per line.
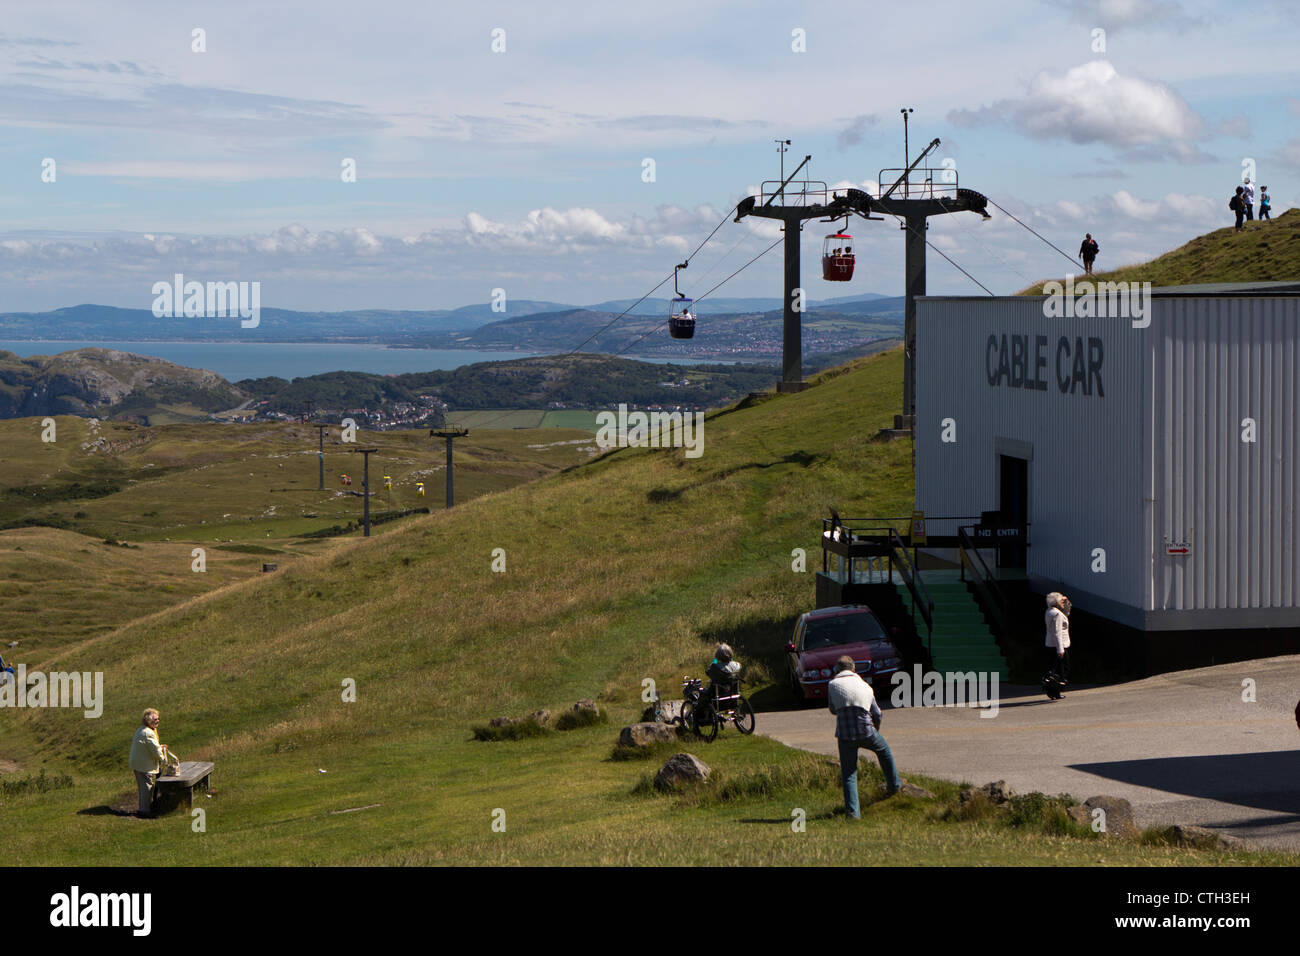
x=1147, y=465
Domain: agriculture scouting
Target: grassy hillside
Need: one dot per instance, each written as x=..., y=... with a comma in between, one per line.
x=625, y=568
x=204, y=482
x=1261, y=252
x=97, y=587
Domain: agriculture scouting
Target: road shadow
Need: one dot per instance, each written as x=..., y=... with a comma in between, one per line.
x=1265, y=781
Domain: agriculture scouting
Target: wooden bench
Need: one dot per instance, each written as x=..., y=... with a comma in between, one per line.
x=192, y=773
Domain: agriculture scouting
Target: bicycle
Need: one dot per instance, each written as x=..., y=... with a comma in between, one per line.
x=705, y=713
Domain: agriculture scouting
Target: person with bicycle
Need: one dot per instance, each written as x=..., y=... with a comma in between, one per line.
x=724, y=669
x=857, y=726
x=706, y=709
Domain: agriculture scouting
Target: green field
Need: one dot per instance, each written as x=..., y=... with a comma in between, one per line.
x=628, y=566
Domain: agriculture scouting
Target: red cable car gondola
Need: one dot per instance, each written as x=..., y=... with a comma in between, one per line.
x=837, y=257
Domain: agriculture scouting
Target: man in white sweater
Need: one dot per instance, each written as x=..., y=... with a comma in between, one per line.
x=857, y=720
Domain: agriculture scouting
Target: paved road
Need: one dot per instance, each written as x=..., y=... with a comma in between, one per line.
x=1182, y=747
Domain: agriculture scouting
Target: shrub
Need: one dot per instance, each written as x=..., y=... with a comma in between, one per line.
x=515, y=730
x=573, y=719
x=1045, y=813
x=42, y=783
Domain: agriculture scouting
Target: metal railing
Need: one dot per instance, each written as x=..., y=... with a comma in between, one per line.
x=797, y=192
x=986, y=584
x=894, y=549
x=916, y=585
x=928, y=183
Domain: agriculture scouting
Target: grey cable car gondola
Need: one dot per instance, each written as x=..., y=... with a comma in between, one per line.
x=681, y=311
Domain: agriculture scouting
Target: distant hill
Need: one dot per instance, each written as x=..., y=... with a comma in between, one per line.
x=744, y=336
x=106, y=323
x=106, y=383
x=574, y=381
x=1262, y=252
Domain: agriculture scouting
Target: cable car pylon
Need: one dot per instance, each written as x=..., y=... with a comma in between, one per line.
x=915, y=214
x=792, y=219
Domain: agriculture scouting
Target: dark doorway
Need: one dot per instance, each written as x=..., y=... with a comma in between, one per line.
x=1013, y=481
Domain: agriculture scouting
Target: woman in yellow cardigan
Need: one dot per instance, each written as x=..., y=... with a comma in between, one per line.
x=148, y=757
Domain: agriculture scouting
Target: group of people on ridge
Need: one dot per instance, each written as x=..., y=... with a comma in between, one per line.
x=1243, y=203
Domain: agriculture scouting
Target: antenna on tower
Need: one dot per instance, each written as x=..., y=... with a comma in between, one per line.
x=781, y=145
x=907, y=161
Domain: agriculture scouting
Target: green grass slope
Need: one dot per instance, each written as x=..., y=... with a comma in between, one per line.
x=625, y=568
x=1262, y=252
x=200, y=482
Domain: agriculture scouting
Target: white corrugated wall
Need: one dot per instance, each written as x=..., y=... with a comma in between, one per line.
x=1220, y=361
x=1086, y=477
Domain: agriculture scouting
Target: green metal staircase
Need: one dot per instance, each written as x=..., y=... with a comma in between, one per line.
x=961, y=639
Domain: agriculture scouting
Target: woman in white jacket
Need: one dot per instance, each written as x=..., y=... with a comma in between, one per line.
x=148, y=758
x=1058, y=635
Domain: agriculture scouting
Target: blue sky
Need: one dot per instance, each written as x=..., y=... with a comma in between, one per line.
x=522, y=169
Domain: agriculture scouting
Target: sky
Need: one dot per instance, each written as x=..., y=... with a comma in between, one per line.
x=506, y=145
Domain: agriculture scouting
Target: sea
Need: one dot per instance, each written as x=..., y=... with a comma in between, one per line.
x=234, y=361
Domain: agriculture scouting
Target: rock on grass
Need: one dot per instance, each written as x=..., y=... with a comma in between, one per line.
x=681, y=769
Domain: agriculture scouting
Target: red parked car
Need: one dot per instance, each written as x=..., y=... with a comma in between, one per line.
x=824, y=636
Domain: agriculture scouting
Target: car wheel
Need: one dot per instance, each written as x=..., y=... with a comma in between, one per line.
x=796, y=692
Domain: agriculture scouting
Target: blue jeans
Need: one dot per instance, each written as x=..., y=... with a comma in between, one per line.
x=849, y=769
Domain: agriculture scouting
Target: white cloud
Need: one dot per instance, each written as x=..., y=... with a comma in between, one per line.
x=1093, y=103
x=1131, y=206
x=1114, y=15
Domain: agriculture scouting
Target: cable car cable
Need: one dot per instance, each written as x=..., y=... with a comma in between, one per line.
x=706, y=295
x=1049, y=242
x=988, y=250
x=949, y=258
x=611, y=322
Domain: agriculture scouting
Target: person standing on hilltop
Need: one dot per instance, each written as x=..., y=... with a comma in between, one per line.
x=1265, y=204
x=1238, y=205
x=1088, y=252
x=1248, y=197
